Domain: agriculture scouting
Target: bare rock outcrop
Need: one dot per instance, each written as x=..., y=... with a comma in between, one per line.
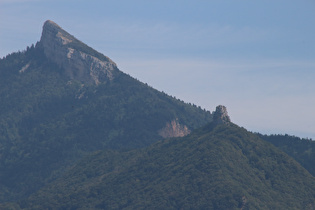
x=174, y=129
x=220, y=115
x=79, y=61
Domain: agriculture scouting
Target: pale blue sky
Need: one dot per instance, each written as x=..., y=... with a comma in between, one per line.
x=255, y=57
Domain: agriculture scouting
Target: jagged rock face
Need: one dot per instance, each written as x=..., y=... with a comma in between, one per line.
x=174, y=129
x=79, y=61
x=221, y=115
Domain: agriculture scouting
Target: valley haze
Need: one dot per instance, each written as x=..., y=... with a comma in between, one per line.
x=256, y=58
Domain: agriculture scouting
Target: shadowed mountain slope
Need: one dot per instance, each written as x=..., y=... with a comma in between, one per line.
x=220, y=166
x=302, y=150
x=60, y=100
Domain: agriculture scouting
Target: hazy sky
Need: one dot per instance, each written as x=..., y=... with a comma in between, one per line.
x=255, y=57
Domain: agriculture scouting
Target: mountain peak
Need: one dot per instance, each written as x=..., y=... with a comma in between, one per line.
x=220, y=116
x=79, y=61
x=53, y=32
x=51, y=24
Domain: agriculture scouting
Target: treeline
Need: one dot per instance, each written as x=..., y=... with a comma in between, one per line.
x=301, y=149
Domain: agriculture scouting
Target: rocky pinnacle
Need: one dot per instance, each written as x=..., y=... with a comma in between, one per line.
x=220, y=115
x=79, y=61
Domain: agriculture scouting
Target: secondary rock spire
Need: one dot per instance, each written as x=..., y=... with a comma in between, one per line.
x=220, y=116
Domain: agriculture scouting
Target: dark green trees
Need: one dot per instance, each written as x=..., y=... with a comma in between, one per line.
x=217, y=167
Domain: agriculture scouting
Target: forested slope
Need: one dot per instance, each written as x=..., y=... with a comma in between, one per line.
x=48, y=121
x=216, y=167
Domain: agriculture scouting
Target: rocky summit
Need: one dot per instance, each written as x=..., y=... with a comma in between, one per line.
x=79, y=61
x=220, y=116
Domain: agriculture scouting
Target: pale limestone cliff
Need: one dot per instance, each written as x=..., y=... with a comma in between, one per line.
x=174, y=129
x=79, y=61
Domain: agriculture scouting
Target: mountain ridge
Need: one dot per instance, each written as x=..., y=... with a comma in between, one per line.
x=70, y=117
x=220, y=166
x=59, y=109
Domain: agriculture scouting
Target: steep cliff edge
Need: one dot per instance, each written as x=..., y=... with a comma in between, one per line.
x=79, y=61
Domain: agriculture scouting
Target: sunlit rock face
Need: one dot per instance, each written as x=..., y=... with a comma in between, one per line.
x=79, y=61
x=174, y=129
